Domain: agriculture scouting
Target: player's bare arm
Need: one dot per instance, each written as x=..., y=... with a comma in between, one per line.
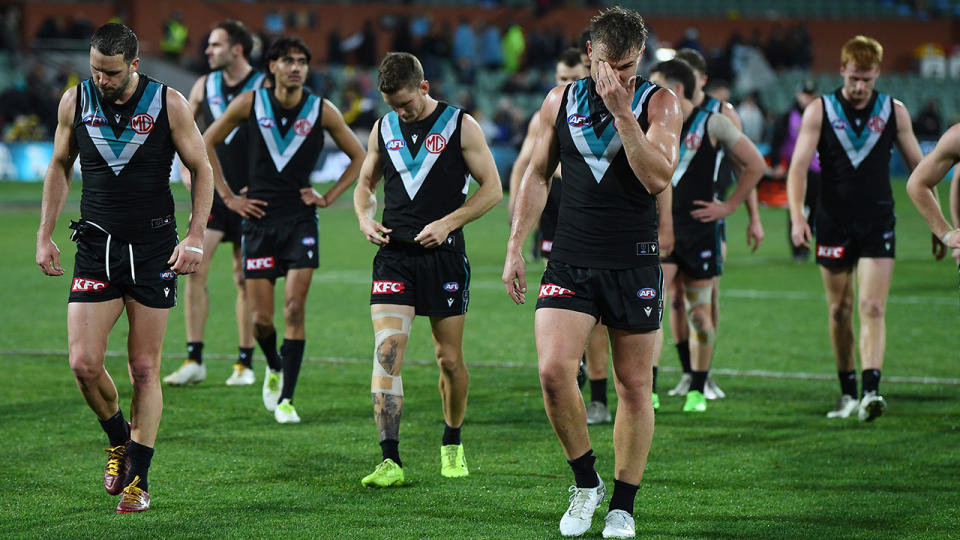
x=523, y=159
x=365, y=194
x=56, y=184
x=755, y=232
x=196, y=103
x=652, y=155
x=237, y=112
x=922, y=184
x=346, y=141
x=188, y=143
x=803, y=152
x=532, y=196
x=479, y=161
x=909, y=148
x=665, y=236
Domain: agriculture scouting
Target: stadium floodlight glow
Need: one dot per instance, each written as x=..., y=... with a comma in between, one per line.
x=665, y=53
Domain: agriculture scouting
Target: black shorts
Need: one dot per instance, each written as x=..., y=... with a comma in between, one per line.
x=840, y=245
x=137, y=271
x=628, y=299
x=227, y=221
x=698, y=254
x=270, y=250
x=436, y=282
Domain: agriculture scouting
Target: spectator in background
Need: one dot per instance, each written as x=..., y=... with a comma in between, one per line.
x=334, y=50
x=514, y=44
x=752, y=118
x=53, y=28
x=367, y=51
x=927, y=126
x=436, y=51
x=691, y=40
x=492, y=48
x=174, y=37
x=463, y=52
x=80, y=27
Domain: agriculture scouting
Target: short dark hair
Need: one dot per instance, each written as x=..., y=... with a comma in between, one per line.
x=619, y=30
x=677, y=71
x=397, y=71
x=570, y=57
x=112, y=39
x=694, y=58
x=238, y=33
x=282, y=45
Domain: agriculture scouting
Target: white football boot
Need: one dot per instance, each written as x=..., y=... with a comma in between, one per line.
x=188, y=373
x=583, y=503
x=272, y=384
x=619, y=524
x=241, y=376
x=845, y=407
x=682, y=387
x=871, y=406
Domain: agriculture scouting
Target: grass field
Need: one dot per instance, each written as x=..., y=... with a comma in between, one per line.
x=763, y=463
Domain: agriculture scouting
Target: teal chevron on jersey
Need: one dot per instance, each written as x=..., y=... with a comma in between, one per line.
x=690, y=143
x=413, y=169
x=858, y=146
x=117, y=150
x=218, y=102
x=283, y=147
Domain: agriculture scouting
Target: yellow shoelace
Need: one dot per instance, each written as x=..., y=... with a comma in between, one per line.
x=116, y=454
x=131, y=493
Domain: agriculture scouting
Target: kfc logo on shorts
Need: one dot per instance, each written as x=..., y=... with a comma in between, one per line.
x=550, y=290
x=830, y=252
x=579, y=121
x=435, y=143
x=451, y=286
x=260, y=263
x=167, y=275
x=395, y=144
x=308, y=241
x=692, y=141
x=87, y=285
x=876, y=124
x=387, y=287
x=647, y=294
x=142, y=123
x=94, y=120
x=302, y=127
x=266, y=122
x=840, y=125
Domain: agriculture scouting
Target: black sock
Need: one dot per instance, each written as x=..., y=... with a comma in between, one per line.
x=138, y=456
x=683, y=352
x=698, y=380
x=623, y=496
x=291, y=352
x=848, y=382
x=391, y=450
x=246, y=357
x=451, y=435
x=195, y=351
x=583, y=471
x=266, y=337
x=871, y=380
x=116, y=428
x=655, y=379
x=598, y=390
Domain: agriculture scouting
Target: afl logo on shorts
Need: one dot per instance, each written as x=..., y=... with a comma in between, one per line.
x=692, y=141
x=142, y=123
x=266, y=122
x=167, y=275
x=302, y=127
x=395, y=144
x=451, y=286
x=840, y=125
x=94, y=120
x=308, y=241
x=578, y=120
x=435, y=143
x=647, y=293
x=876, y=124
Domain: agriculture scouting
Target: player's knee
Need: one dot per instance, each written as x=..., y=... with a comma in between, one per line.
x=86, y=367
x=262, y=323
x=293, y=313
x=873, y=309
x=143, y=371
x=449, y=359
x=841, y=312
x=676, y=303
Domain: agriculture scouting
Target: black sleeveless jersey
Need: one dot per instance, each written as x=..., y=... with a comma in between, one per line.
x=723, y=170
x=283, y=149
x=424, y=175
x=607, y=218
x=693, y=179
x=232, y=151
x=125, y=158
x=855, y=147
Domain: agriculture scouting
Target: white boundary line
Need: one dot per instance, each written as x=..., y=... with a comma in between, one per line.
x=759, y=373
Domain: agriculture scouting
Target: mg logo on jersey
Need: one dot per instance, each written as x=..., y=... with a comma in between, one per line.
x=451, y=286
x=266, y=122
x=395, y=144
x=830, y=252
x=94, y=120
x=387, y=287
x=260, y=263
x=579, y=120
x=87, y=285
x=840, y=125
x=302, y=127
x=876, y=124
x=692, y=141
x=435, y=143
x=142, y=123
x=551, y=290
x=647, y=294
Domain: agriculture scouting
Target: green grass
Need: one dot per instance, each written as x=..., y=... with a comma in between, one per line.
x=764, y=463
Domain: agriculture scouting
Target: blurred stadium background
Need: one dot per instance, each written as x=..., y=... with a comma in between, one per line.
x=494, y=58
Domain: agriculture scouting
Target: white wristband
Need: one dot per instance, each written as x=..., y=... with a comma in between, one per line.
x=946, y=235
x=193, y=249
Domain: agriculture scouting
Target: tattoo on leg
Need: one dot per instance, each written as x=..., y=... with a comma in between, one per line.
x=387, y=355
x=386, y=411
